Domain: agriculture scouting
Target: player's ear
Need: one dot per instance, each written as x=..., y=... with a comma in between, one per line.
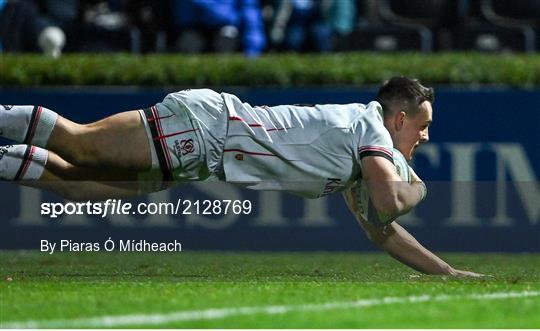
x=399, y=119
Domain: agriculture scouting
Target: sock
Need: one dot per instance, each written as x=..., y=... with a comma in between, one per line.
x=31, y=125
x=22, y=162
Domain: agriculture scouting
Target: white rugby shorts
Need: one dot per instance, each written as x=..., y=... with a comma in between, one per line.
x=187, y=132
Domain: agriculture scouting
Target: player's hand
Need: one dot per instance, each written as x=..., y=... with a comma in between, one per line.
x=464, y=273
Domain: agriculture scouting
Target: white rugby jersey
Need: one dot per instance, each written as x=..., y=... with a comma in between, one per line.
x=310, y=151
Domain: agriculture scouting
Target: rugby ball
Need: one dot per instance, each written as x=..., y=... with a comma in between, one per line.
x=402, y=167
x=364, y=205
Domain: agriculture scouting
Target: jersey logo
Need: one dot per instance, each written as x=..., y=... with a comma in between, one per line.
x=7, y=107
x=184, y=146
x=332, y=185
x=239, y=157
x=187, y=146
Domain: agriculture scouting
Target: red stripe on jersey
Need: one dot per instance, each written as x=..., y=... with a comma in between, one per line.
x=27, y=162
x=250, y=153
x=174, y=134
x=34, y=125
x=150, y=119
x=163, y=143
x=236, y=118
x=374, y=148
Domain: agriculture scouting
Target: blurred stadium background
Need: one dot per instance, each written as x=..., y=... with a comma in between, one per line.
x=89, y=59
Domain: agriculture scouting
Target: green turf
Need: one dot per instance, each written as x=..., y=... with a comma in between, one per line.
x=36, y=286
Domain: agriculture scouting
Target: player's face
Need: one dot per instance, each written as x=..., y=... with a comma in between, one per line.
x=414, y=130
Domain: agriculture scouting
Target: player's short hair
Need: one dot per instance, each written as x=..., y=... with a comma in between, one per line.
x=403, y=94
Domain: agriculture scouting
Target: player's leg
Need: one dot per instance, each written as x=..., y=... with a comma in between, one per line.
x=37, y=167
x=118, y=141
x=78, y=183
x=183, y=135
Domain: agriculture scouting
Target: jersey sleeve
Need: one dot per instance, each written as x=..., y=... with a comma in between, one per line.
x=375, y=140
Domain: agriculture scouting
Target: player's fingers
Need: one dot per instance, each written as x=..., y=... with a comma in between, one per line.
x=471, y=274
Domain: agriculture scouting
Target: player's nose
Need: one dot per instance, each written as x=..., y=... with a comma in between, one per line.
x=424, y=136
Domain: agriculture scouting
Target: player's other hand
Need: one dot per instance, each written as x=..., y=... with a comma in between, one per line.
x=464, y=273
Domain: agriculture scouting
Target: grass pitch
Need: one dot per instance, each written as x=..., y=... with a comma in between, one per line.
x=263, y=290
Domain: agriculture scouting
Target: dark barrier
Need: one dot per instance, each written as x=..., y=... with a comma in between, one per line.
x=482, y=165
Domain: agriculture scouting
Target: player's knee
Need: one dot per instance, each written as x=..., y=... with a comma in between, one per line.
x=85, y=157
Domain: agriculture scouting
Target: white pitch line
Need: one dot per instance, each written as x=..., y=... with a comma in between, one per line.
x=217, y=313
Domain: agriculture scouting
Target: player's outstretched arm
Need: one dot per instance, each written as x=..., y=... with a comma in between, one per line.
x=402, y=246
